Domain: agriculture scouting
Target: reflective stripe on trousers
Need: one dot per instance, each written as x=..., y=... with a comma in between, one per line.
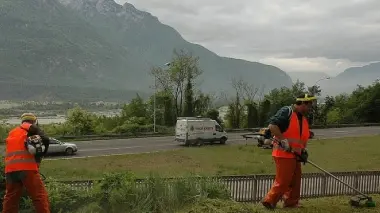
x=11, y=154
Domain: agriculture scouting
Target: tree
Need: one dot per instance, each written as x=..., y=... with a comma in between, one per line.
x=175, y=79
x=243, y=105
x=169, y=119
x=80, y=122
x=214, y=114
x=136, y=108
x=298, y=89
x=314, y=90
x=325, y=109
x=284, y=96
x=365, y=103
x=233, y=116
x=264, y=110
x=252, y=114
x=202, y=104
x=189, y=98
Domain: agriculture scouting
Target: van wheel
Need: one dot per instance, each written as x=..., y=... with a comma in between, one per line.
x=223, y=140
x=199, y=142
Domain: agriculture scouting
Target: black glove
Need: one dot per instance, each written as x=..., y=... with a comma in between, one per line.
x=267, y=134
x=303, y=156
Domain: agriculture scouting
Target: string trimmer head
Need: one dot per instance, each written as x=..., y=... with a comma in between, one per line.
x=362, y=201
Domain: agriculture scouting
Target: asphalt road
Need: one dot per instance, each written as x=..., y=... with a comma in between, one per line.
x=144, y=145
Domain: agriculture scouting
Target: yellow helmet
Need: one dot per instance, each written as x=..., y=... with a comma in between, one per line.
x=28, y=117
x=306, y=98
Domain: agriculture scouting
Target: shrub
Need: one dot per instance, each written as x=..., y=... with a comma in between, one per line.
x=122, y=192
x=65, y=199
x=4, y=129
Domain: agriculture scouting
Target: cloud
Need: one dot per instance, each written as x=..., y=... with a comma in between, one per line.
x=291, y=32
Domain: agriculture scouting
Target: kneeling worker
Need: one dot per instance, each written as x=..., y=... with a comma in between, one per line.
x=22, y=166
x=290, y=127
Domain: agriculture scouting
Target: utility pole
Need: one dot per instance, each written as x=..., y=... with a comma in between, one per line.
x=154, y=106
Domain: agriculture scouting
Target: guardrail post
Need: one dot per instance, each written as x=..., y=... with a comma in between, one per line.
x=324, y=185
x=254, y=190
x=356, y=180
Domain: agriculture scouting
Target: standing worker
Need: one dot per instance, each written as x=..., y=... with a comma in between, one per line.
x=291, y=129
x=22, y=166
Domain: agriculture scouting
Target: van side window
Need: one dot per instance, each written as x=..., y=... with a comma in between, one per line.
x=218, y=128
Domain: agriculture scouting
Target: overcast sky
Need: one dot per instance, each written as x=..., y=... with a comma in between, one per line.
x=295, y=35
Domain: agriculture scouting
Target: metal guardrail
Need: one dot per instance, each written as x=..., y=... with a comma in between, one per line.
x=252, y=188
x=313, y=127
x=151, y=134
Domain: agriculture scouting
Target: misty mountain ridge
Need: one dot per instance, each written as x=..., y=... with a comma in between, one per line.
x=347, y=81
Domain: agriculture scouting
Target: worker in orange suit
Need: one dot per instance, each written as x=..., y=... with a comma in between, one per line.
x=290, y=130
x=22, y=159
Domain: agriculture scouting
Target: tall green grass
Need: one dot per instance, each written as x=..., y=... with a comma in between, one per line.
x=122, y=192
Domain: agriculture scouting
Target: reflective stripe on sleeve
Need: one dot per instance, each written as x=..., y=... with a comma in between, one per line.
x=20, y=161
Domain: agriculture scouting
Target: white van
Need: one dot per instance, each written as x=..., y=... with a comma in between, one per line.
x=197, y=131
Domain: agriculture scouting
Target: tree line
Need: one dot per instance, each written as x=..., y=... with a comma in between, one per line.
x=177, y=94
x=249, y=107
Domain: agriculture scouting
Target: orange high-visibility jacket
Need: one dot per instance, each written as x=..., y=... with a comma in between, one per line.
x=296, y=141
x=17, y=157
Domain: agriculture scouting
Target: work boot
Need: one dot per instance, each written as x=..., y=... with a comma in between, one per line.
x=268, y=205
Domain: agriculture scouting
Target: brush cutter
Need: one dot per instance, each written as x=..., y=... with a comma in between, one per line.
x=361, y=200
x=356, y=201
x=43, y=177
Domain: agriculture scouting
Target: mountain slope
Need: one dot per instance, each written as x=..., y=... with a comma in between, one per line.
x=100, y=44
x=45, y=43
x=153, y=42
x=366, y=74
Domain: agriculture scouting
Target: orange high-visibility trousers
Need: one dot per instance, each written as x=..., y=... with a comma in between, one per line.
x=287, y=184
x=35, y=188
